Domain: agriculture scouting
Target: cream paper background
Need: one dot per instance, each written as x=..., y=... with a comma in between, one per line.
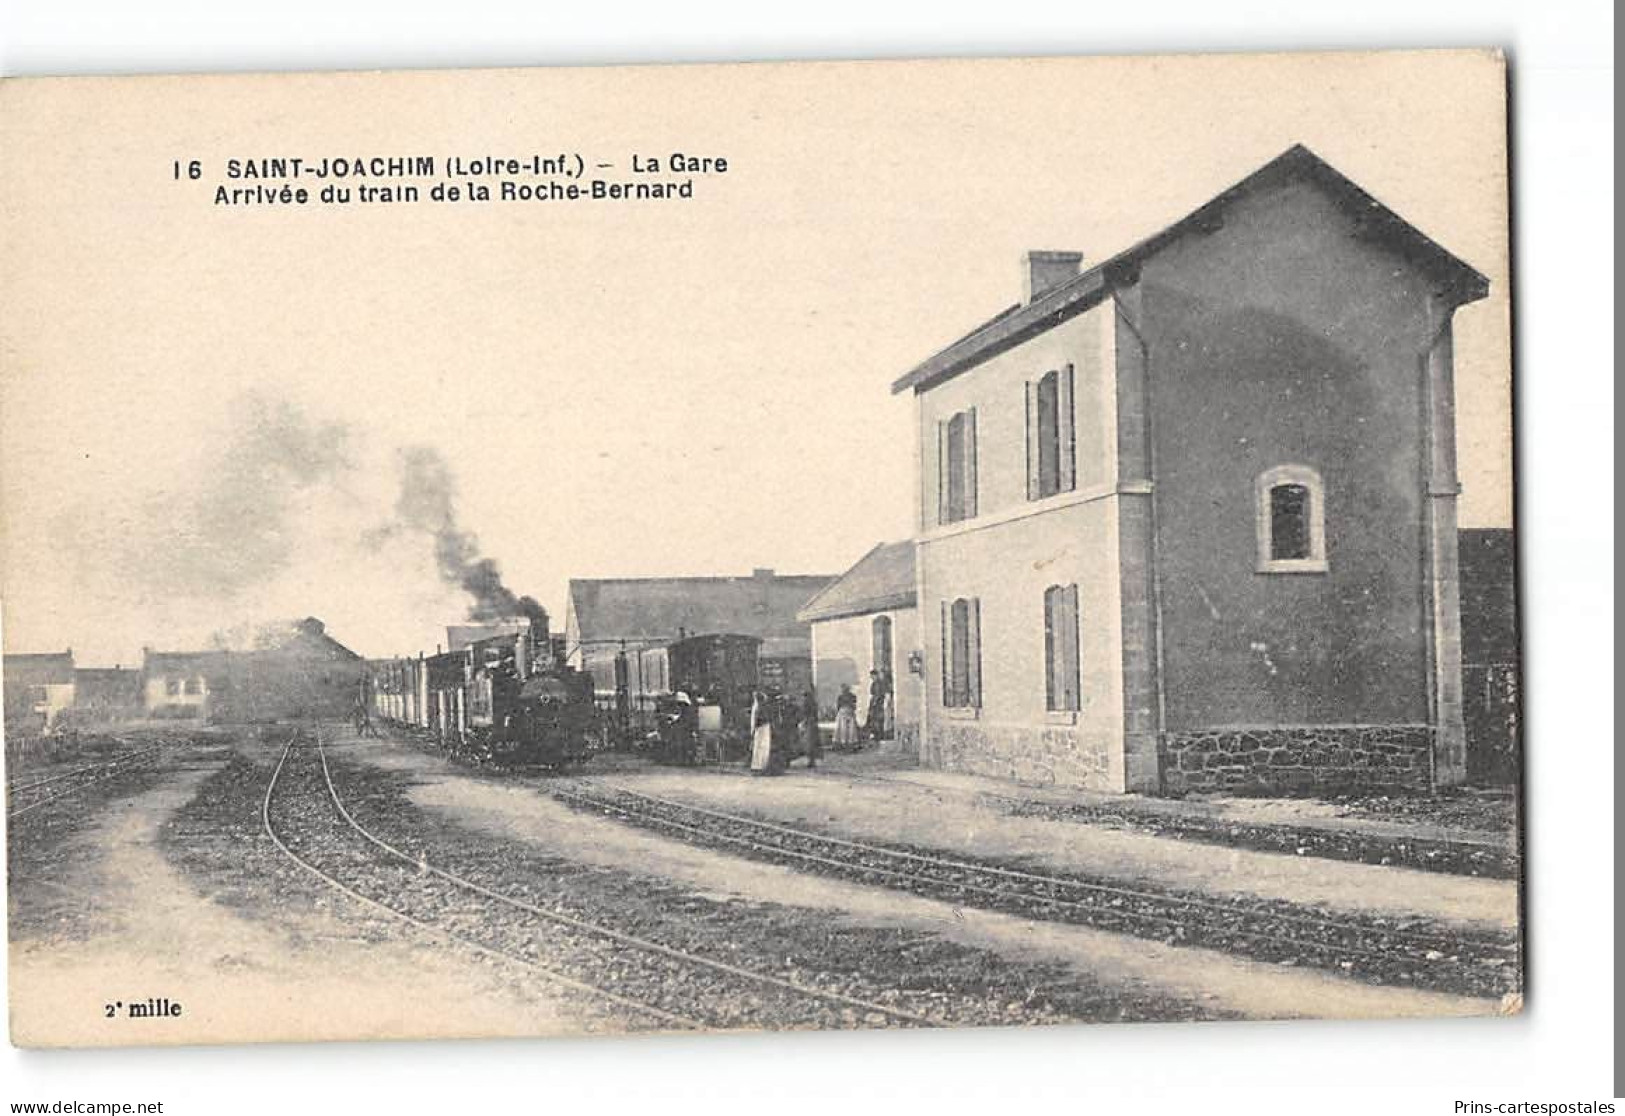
x=621, y=389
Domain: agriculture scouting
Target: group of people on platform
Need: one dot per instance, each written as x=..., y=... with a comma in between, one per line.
x=783, y=727
x=880, y=723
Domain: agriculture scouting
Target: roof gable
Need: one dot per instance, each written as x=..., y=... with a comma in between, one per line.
x=880, y=581
x=1011, y=327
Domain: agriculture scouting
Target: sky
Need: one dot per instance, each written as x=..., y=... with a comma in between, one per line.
x=207, y=410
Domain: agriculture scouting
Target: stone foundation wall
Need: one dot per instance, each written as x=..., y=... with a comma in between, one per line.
x=1313, y=759
x=1060, y=756
x=906, y=742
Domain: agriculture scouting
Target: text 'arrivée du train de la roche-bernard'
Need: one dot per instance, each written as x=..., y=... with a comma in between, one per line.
x=394, y=179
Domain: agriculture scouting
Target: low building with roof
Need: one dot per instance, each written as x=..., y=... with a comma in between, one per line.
x=866, y=620
x=104, y=694
x=605, y=617
x=293, y=670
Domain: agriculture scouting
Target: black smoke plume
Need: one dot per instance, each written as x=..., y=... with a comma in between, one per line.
x=428, y=505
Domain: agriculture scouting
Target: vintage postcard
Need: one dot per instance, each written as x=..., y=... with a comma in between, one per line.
x=740, y=547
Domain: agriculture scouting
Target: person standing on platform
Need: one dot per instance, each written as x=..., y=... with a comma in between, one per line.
x=846, y=719
x=874, y=720
x=761, y=735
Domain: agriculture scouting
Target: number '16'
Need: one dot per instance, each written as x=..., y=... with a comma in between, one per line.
x=194, y=169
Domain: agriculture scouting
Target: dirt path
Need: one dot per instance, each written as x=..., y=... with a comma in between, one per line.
x=523, y=814
x=296, y=975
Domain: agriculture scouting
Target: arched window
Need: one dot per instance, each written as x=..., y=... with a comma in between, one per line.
x=1291, y=520
x=880, y=637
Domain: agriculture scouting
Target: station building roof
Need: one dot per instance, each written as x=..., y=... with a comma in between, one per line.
x=1015, y=324
x=881, y=581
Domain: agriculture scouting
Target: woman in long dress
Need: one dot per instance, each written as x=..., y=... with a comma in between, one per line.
x=761, y=735
x=846, y=719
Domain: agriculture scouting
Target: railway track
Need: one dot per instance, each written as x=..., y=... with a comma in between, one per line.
x=1457, y=855
x=663, y=986
x=1375, y=950
x=24, y=795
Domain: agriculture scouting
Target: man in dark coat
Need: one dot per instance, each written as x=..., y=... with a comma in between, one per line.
x=812, y=737
x=874, y=724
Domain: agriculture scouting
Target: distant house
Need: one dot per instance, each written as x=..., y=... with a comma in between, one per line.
x=1187, y=517
x=103, y=694
x=182, y=684
x=39, y=690
x=606, y=616
x=867, y=621
x=297, y=670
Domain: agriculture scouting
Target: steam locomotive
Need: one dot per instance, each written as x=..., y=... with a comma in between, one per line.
x=503, y=699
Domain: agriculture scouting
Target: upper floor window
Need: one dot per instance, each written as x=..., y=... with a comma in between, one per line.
x=1050, y=455
x=1291, y=520
x=1061, y=648
x=194, y=686
x=172, y=687
x=962, y=654
x=956, y=467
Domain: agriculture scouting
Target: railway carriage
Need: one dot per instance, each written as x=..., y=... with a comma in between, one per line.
x=719, y=675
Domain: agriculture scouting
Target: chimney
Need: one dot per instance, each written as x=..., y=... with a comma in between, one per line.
x=1046, y=270
x=762, y=573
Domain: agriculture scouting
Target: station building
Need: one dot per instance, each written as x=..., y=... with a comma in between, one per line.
x=1187, y=517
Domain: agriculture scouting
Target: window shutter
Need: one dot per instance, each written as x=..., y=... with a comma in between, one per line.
x=947, y=656
x=970, y=463
x=1064, y=428
x=973, y=673
x=942, y=472
x=1032, y=441
x=1074, y=652
x=1052, y=645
